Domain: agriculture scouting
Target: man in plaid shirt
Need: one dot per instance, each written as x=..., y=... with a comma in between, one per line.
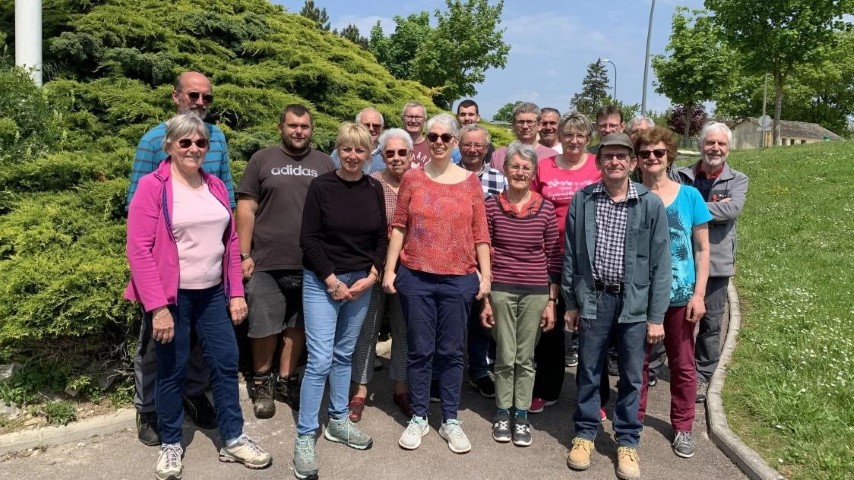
x=616, y=283
x=474, y=142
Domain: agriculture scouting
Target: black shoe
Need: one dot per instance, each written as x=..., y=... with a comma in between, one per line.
x=262, y=396
x=613, y=366
x=652, y=381
x=200, y=411
x=485, y=386
x=288, y=390
x=571, y=359
x=147, y=430
x=522, y=432
x=501, y=427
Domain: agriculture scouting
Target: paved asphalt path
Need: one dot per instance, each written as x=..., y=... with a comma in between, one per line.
x=121, y=456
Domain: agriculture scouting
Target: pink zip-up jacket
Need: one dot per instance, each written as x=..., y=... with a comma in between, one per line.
x=152, y=250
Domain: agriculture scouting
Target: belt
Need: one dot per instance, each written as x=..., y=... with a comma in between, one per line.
x=608, y=287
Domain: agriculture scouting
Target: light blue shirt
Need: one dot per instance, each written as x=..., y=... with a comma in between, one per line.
x=686, y=212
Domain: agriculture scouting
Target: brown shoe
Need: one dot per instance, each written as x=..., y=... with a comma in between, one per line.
x=628, y=467
x=402, y=401
x=357, y=406
x=579, y=456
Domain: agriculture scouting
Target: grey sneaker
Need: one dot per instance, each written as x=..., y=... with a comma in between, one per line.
x=451, y=431
x=262, y=396
x=522, y=432
x=411, y=438
x=169, y=466
x=344, y=431
x=571, y=359
x=305, y=463
x=702, y=388
x=501, y=427
x=683, y=445
x=246, y=451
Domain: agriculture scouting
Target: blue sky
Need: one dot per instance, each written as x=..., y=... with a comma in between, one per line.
x=552, y=42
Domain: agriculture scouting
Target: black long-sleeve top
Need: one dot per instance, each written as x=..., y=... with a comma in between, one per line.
x=343, y=225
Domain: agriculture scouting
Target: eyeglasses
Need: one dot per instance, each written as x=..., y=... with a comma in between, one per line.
x=194, y=96
x=575, y=136
x=470, y=145
x=610, y=157
x=413, y=118
x=658, y=152
x=373, y=126
x=401, y=152
x=186, y=142
x=433, y=136
x=517, y=168
x=526, y=123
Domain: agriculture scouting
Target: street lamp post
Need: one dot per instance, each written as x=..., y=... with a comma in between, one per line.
x=646, y=59
x=615, y=74
x=28, y=37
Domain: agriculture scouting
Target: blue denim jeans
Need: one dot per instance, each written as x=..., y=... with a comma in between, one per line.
x=205, y=314
x=331, y=330
x=594, y=336
x=436, y=309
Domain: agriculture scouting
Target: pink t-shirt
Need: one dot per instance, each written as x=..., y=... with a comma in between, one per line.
x=558, y=185
x=199, y=221
x=420, y=154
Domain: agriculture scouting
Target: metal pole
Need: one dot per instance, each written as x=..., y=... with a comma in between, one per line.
x=764, y=105
x=615, y=75
x=28, y=37
x=646, y=59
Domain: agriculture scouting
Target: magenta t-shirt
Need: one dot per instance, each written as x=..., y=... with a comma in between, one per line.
x=558, y=185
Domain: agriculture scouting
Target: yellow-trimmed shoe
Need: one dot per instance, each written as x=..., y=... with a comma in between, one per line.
x=579, y=455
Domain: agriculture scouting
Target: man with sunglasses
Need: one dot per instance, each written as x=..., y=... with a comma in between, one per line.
x=373, y=120
x=192, y=93
x=616, y=283
x=526, y=126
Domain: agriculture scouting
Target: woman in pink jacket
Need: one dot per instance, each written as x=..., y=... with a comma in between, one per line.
x=185, y=271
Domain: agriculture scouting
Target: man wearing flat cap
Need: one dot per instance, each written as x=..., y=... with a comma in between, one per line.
x=616, y=283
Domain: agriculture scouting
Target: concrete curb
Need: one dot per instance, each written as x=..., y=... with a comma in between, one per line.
x=745, y=457
x=101, y=425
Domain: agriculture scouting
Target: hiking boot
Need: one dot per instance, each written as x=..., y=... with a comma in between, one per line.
x=262, y=396
x=501, y=427
x=571, y=359
x=579, y=455
x=451, y=431
x=288, y=390
x=305, y=463
x=683, y=445
x=417, y=428
x=344, y=431
x=402, y=402
x=246, y=451
x=628, y=467
x=485, y=386
x=522, y=432
x=147, y=430
x=356, y=408
x=702, y=388
x=169, y=466
x=200, y=411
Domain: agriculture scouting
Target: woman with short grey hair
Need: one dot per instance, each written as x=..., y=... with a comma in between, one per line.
x=526, y=269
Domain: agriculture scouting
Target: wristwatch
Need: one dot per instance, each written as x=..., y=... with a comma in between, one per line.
x=245, y=256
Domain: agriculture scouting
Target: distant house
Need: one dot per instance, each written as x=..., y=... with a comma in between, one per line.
x=746, y=134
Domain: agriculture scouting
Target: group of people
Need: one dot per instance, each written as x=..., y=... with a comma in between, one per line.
x=524, y=259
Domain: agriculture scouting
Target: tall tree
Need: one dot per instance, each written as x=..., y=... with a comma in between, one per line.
x=775, y=36
x=594, y=91
x=697, y=64
x=505, y=113
x=451, y=57
x=351, y=32
x=319, y=15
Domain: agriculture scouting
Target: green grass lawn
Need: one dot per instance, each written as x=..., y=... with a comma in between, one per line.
x=790, y=389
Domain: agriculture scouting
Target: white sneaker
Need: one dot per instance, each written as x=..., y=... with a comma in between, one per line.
x=451, y=431
x=169, y=466
x=411, y=438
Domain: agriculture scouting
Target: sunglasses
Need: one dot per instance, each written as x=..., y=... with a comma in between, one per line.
x=186, y=142
x=194, y=96
x=659, y=153
x=433, y=136
x=402, y=152
x=373, y=126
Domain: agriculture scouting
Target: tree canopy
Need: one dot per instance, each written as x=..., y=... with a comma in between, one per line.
x=451, y=57
x=594, y=91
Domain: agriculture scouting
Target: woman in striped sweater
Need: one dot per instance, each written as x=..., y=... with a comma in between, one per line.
x=525, y=280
